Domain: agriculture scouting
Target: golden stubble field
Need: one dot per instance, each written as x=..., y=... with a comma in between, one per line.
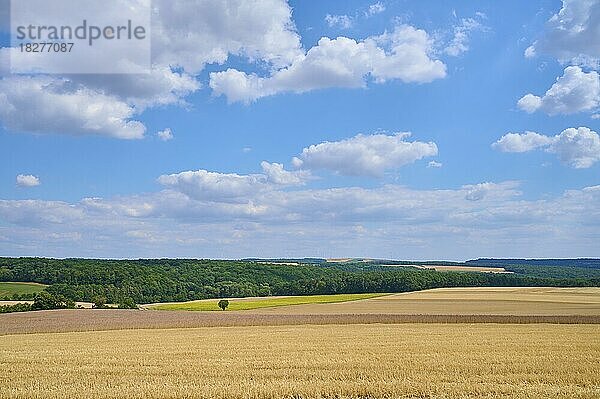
x=513, y=301
x=429, y=344
x=307, y=361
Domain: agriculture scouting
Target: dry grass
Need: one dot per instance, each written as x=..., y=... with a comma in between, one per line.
x=280, y=263
x=466, y=301
x=358, y=361
x=456, y=268
x=453, y=268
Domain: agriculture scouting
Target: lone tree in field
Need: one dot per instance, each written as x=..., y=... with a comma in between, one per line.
x=223, y=303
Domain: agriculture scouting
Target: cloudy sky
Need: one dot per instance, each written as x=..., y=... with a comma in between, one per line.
x=390, y=129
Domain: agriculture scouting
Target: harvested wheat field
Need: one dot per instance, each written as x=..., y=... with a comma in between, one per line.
x=449, y=305
x=341, y=361
x=465, y=301
x=50, y=321
x=456, y=268
x=393, y=346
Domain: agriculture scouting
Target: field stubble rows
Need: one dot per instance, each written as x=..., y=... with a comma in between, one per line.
x=514, y=301
x=336, y=361
x=108, y=319
x=327, y=350
x=456, y=305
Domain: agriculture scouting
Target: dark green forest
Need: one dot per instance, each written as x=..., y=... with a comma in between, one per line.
x=160, y=280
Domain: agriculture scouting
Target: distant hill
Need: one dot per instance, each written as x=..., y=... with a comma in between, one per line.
x=176, y=280
x=286, y=260
x=588, y=263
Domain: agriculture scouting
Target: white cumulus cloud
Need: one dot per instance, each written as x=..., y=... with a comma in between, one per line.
x=460, y=222
x=232, y=187
x=186, y=36
x=576, y=147
x=364, y=155
x=193, y=33
x=47, y=105
x=515, y=142
x=575, y=91
x=579, y=148
x=162, y=86
x=404, y=54
x=28, y=181
x=205, y=185
x=572, y=34
x=276, y=174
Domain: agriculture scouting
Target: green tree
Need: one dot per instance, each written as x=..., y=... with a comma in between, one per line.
x=17, y=307
x=223, y=303
x=47, y=301
x=127, y=303
x=99, y=303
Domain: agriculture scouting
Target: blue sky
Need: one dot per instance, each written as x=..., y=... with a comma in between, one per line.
x=468, y=80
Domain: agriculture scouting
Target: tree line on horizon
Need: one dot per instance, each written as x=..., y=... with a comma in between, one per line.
x=163, y=280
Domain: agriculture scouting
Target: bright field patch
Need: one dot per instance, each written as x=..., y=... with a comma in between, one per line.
x=467, y=301
x=9, y=289
x=259, y=303
x=335, y=361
